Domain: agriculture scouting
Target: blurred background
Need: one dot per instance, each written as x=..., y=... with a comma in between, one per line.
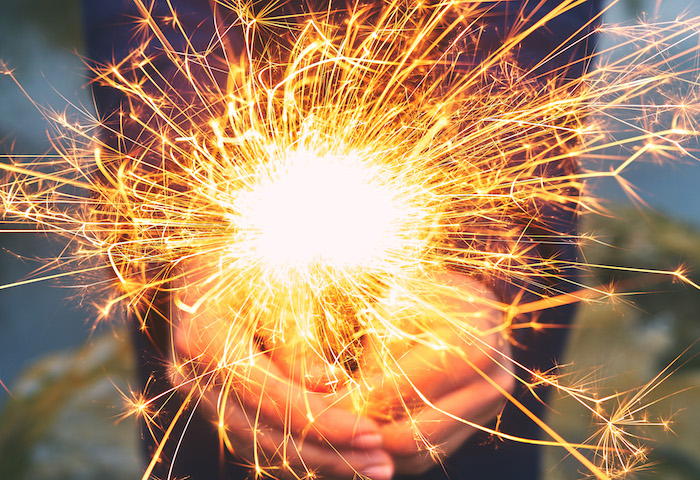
x=65, y=374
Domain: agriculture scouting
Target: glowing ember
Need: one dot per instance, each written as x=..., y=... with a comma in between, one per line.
x=325, y=211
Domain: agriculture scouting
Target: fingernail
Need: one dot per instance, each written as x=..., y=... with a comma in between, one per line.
x=378, y=472
x=367, y=441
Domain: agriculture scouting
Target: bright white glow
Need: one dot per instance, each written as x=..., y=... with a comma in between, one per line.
x=321, y=209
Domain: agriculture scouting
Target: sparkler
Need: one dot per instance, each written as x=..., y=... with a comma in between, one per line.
x=349, y=192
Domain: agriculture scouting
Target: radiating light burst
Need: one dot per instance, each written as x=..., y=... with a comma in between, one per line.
x=334, y=212
x=349, y=187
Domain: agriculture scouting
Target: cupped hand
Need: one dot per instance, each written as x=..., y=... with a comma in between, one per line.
x=432, y=394
x=267, y=416
x=421, y=397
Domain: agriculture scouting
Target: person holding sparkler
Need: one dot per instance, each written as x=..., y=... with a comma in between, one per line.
x=292, y=415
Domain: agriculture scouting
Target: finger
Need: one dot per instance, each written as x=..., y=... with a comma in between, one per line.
x=442, y=427
x=280, y=401
x=456, y=334
x=425, y=375
x=269, y=447
x=416, y=371
x=260, y=386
